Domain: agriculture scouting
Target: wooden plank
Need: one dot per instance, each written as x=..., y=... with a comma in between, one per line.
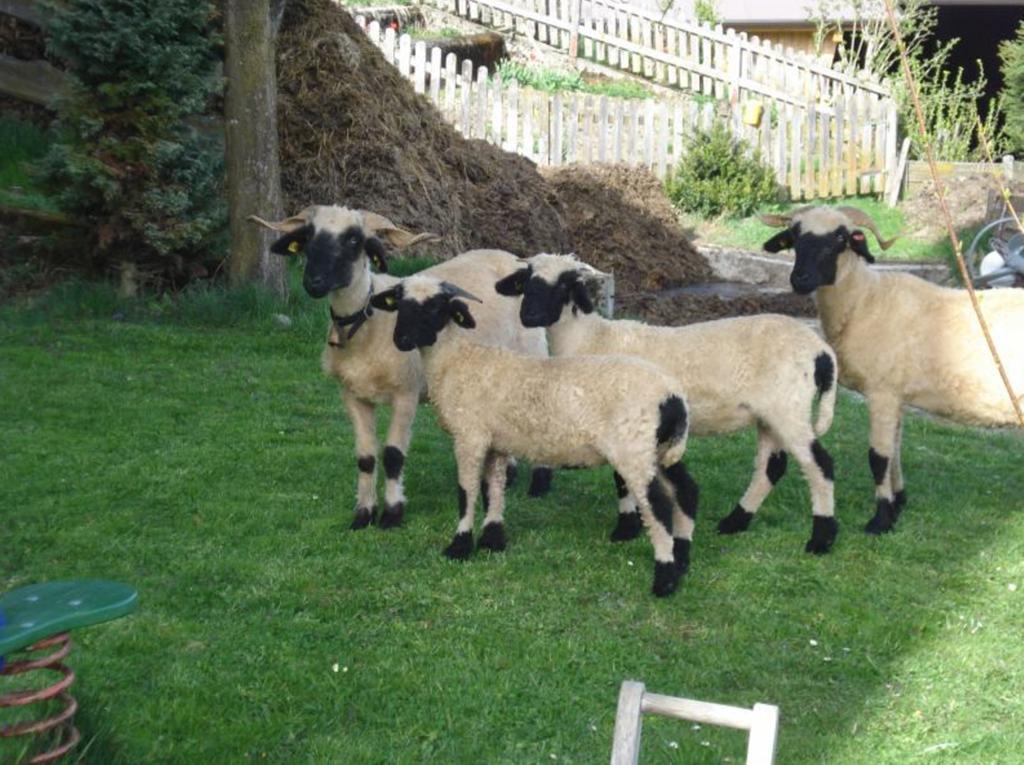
x=527, y=106
x=764, y=726
x=450, y=82
x=661, y=150
x=796, y=124
x=824, y=150
x=512, y=139
x=556, y=127
x=404, y=55
x=897, y=182
x=435, y=75
x=633, y=133
x=617, y=129
x=34, y=81
x=481, y=105
x=648, y=133
x=628, y=722
x=602, y=127
x=704, y=712
x=419, y=83
x=389, y=45
x=851, y=145
x=497, y=115
x=466, y=85
x=838, y=131
x=574, y=121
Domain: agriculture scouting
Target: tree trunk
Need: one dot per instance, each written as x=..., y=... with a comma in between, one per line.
x=250, y=128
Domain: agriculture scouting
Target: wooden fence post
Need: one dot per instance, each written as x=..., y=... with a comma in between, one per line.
x=628, y=720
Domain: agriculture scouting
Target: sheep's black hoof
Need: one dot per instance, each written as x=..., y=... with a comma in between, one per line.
x=823, y=535
x=461, y=546
x=666, y=577
x=392, y=516
x=883, y=520
x=540, y=482
x=492, y=537
x=364, y=517
x=511, y=473
x=899, y=501
x=628, y=527
x=736, y=521
x=681, y=552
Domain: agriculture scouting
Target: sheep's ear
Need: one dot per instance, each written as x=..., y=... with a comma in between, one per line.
x=514, y=284
x=293, y=242
x=386, y=300
x=581, y=297
x=375, y=251
x=460, y=314
x=397, y=237
x=859, y=244
x=781, y=241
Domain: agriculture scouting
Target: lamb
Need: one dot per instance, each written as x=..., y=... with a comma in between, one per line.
x=753, y=371
x=573, y=411
x=900, y=339
x=340, y=244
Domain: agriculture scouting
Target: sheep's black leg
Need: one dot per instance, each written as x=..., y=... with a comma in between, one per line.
x=629, y=524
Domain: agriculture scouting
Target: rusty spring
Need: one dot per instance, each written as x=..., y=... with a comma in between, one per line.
x=59, y=729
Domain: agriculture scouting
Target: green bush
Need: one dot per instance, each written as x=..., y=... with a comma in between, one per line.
x=1011, y=54
x=127, y=159
x=718, y=174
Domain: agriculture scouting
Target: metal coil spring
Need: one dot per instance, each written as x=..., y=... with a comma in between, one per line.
x=58, y=729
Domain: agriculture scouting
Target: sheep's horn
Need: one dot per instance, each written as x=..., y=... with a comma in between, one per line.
x=782, y=220
x=288, y=224
x=861, y=218
x=456, y=291
x=397, y=237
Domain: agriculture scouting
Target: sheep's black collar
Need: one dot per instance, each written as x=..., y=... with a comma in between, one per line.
x=353, y=320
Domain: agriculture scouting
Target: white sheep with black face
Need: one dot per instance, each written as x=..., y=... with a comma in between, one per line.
x=580, y=412
x=339, y=245
x=900, y=339
x=751, y=371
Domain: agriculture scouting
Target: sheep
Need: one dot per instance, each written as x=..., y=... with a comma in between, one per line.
x=753, y=371
x=340, y=244
x=900, y=339
x=578, y=412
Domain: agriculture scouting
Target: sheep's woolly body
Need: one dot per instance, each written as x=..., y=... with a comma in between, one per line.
x=575, y=412
x=580, y=411
x=902, y=340
x=737, y=373
x=900, y=335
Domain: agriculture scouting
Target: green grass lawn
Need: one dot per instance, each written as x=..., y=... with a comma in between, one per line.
x=194, y=450
x=750, y=233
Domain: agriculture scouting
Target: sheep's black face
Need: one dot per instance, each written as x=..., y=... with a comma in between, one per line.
x=330, y=260
x=418, y=323
x=330, y=257
x=817, y=255
x=543, y=302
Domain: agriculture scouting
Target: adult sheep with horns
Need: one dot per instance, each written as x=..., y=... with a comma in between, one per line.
x=900, y=339
x=340, y=244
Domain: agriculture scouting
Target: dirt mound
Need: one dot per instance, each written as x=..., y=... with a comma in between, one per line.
x=621, y=221
x=967, y=197
x=688, y=309
x=353, y=132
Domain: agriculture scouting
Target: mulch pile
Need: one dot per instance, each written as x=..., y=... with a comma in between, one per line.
x=621, y=221
x=687, y=309
x=353, y=132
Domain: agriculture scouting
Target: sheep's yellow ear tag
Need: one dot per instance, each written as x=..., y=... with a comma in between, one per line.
x=293, y=247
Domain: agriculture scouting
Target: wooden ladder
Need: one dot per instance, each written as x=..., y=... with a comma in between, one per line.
x=762, y=721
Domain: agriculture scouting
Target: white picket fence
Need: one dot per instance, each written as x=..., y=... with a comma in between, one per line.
x=814, y=152
x=694, y=57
